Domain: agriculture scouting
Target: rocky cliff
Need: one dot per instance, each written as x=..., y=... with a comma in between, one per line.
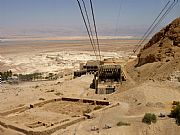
x=159, y=59
x=164, y=45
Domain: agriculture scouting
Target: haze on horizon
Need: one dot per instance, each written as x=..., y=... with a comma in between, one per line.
x=56, y=18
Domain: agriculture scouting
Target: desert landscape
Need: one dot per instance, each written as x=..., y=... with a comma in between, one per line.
x=68, y=106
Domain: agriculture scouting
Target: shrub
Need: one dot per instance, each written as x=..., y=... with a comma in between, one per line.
x=149, y=118
x=120, y=123
x=175, y=113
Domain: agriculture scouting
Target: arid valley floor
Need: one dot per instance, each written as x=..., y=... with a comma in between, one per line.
x=131, y=101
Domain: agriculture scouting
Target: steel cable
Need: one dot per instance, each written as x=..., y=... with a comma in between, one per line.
x=87, y=16
x=84, y=20
x=151, y=29
x=95, y=28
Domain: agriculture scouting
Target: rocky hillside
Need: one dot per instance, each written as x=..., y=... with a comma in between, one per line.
x=160, y=57
x=163, y=46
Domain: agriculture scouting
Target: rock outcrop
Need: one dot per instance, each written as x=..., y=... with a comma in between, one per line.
x=159, y=59
x=164, y=45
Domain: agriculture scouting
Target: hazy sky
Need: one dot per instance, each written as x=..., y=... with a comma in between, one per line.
x=63, y=18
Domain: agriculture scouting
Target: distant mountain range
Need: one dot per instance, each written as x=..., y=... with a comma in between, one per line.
x=29, y=38
x=129, y=32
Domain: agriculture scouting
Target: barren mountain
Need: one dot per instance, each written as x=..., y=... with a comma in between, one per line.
x=160, y=57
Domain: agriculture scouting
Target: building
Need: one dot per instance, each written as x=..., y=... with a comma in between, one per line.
x=90, y=67
x=79, y=73
x=110, y=73
x=107, y=74
x=105, y=89
x=106, y=78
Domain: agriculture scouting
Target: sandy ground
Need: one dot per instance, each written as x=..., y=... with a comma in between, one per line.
x=129, y=111
x=53, y=56
x=135, y=99
x=5, y=131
